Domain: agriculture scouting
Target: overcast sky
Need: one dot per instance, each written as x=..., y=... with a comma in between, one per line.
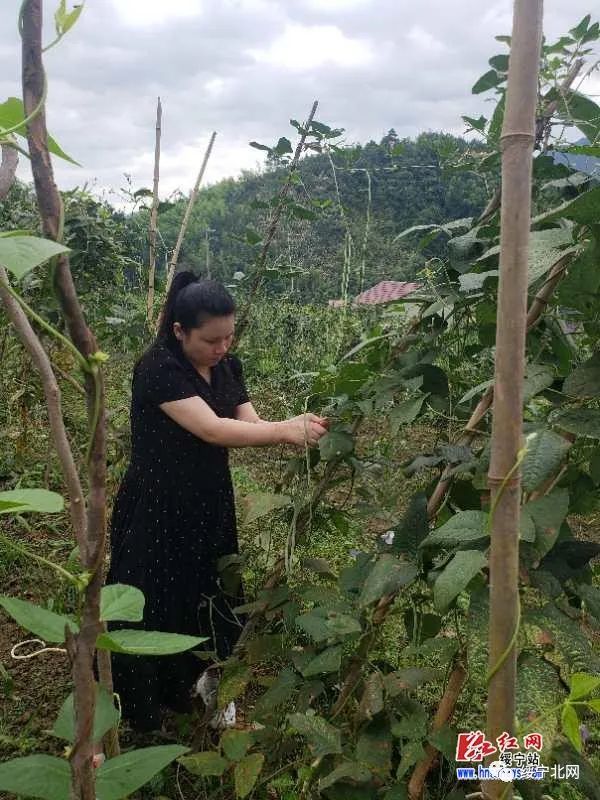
x=244, y=67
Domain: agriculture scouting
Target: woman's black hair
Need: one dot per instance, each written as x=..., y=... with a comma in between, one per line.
x=190, y=302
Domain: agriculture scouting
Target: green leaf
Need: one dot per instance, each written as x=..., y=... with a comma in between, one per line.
x=579, y=30
x=583, y=684
x=474, y=281
x=12, y=114
x=236, y=744
x=408, y=679
x=499, y=63
x=328, y=661
x=411, y=753
x=456, y=576
x=106, y=716
x=43, y=623
x=65, y=20
x=386, y=577
x=246, y=773
x=539, y=694
x=546, y=452
x=573, y=651
x=374, y=745
x=545, y=248
x=322, y=737
x=584, y=381
x=278, y=692
x=371, y=701
x=412, y=528
x=232, y=685
x=537, y=378
x=252, y=237
x=118, y=601
x=147, y=643
x=23, y=501
x=336, y=444
x=314, y=624
x=258, y=146
x=404, y=412
x=283, y=146
x=444, y=740
x=21, y=254
x=585, y=209
x=42, y=776
x=547, y=513
x=570, y=726
x=300, y=212
x=124, y=774
x=466, y=526
x=412, y=724
x=477, y=124
x=348, y=771
x=342, y=624
x=259, y=504
x=580, y=421
x=204, y=764
x=490, y=80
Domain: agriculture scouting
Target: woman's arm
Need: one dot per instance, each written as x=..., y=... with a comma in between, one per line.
x=197, y=417
x=247, y=413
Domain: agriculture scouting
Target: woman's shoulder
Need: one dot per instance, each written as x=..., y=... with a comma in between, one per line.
x=158, y=358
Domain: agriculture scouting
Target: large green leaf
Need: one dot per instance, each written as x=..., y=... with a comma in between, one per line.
x=232, y=685
x=584, y=381
x=466, y=526
x=106, y=716
x=246, y=773
x=204, y=764
x=147, y=643
x=322, y=737
x=64, y=20
x=537, y=378
x=22, y=501
x=314, y=623
x=42, y=776
x=546, y=452
x=490, y=80
x=539, y=692
x=545, y=248
x=348, y=771
x=118, y=601
x=259, y=504
x=582, y=111
x=570, y=726
x=583, y=684
x=580, y=421
x=413, y=527
x=387, y=576
x=43, y=623
x=335, y=445
x=21, y=254
x=120, y=776
x=456, y=576
x=572, y=649
x=11, y=114
x=547, y=513
x=329, y=660
x=404, y=412
x=280, y=691
x=585, y=209
x=236, y=744
x=374, y=745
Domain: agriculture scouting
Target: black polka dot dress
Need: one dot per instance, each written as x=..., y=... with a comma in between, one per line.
x=173, y=527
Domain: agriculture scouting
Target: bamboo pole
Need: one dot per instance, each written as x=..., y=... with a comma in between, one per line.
x=188, y=212
x=153, y=218
x=517, y=140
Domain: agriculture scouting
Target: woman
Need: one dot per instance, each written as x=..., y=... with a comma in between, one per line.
x=174, y=514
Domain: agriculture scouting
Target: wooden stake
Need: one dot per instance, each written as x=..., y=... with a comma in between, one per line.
x=153, y=218
x=188, y=211
x=518, y=136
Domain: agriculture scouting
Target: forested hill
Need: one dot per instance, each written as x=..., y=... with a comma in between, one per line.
x=382, y=188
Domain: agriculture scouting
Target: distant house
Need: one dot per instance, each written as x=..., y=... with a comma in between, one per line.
x=382, y=292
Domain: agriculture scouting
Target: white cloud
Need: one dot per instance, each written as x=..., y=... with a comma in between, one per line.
x=304, y=48
x=155, y=12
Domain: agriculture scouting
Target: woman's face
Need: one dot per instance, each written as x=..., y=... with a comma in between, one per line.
x=206, y=346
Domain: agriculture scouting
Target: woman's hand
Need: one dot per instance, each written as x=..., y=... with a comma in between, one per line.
x=305, y=429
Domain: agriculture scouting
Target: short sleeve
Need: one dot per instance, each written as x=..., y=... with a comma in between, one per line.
x=238, y=374
x=160, y=378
